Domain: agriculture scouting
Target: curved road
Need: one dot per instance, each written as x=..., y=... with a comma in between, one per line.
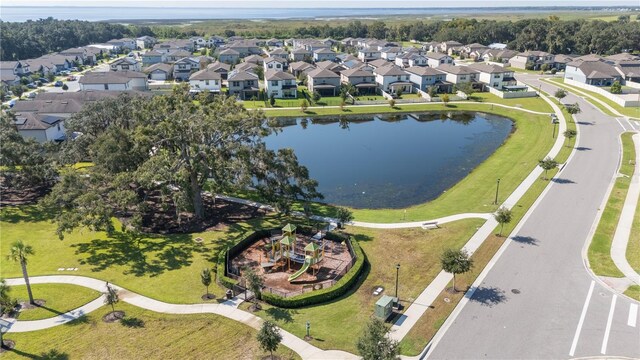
x=538, y=300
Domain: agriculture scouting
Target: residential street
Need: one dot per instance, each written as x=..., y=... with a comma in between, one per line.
x=538, y=300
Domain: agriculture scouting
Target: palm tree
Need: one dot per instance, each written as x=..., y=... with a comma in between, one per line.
x=19, y=253
x=4, y=300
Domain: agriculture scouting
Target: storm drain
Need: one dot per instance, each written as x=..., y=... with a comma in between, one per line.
x=515, y=291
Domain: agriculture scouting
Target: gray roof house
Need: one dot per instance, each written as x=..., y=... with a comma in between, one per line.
x=229, y=56
x=243, y=84
x=299, y=54
x=364, y=81
x=113, y=80
x=425, y=77
x=323, y=81
x=159, y=72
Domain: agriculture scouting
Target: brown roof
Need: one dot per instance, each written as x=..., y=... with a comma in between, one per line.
x=322, y=73
x=423, y=71
x=390, y=70
x=457, y=70
x=278, y=75
x=110, y=77
x=205, y=74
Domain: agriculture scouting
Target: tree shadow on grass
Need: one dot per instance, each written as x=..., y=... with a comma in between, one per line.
x=141, y=255
x=83, y=319
x=132, y=322
x=489, y=296
x=30, y=213
x=528, y=240
x=284, y=315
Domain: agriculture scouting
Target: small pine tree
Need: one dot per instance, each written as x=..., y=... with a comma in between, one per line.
x=304, y=104
x=445, y=99
x=570, y=134
x=455, y=262
x=547, y=164
x=375, y=344
x=272, y=100
x=616, y=88
x=205, y=277
x=503, y=216
x=269, y=337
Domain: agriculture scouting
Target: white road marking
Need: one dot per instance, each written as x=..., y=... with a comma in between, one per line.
x=630, y=124
x=622, y=126
x=605, y=340
x=633, y=315
x=582, y=316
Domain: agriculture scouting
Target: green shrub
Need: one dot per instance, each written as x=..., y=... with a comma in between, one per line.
x=320, y=296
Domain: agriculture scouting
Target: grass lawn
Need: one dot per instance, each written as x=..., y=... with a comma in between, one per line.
x=60, y=298
x=330, y=101
x=537, y=72
x=633, y=292
x=370, y=98
x=633, y=248
x=600, y=249
x=166, y=268
x=337, y=324
x=433, y=318
x=157, y=336
x=627, y=111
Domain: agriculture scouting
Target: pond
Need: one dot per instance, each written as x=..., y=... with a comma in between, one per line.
x=391, y=160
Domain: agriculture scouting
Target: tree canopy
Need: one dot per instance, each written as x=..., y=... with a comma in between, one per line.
x=172, y=148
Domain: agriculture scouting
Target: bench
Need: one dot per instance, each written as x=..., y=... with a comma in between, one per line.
x=430, y=225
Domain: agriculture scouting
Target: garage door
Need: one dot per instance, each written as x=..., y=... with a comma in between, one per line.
x=158, y=76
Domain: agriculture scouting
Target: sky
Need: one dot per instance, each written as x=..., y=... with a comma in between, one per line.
x=320, y=4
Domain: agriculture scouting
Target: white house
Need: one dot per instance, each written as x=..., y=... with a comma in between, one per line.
x=424, y=77
x=280, y=85
x=391, y=78
x=390, y=53
x=494, y=76
x=206, y=79
x=369, y=54
x=125, y=64
x=459, y=74
x=113, y=80
x=435, y=59
x=324, y=54
x=597, y=73
x=324, y=81
x=40, y=127
x=159, y=72
x=536, y=59
x=274, y=63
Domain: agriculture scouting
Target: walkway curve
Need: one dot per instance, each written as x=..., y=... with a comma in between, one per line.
x=330, y=220
x=227, y=309
x=410, y=104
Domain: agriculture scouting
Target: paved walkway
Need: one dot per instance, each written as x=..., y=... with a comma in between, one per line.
x=411, y=316
x=227, y=309
x=409, y=104
x=623, y=231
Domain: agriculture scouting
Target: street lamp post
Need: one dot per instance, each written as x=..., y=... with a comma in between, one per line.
x=308, y=329
x=397, y=273
x=497, y=189
x=554, y=121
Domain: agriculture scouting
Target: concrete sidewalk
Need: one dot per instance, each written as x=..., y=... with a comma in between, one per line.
x=227, y=309
x=623, y=231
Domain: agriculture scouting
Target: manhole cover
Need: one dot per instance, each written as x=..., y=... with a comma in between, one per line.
x=515, y=291
x=447, y=300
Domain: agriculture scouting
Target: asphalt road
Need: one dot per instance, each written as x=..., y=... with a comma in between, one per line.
x=538, y=301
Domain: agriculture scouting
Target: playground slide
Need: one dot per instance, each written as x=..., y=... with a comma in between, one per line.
x=305, y=266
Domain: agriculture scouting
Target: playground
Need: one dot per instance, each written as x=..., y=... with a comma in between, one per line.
x=292, y=262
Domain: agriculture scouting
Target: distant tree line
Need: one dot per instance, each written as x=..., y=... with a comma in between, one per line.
x=35, y=38
x=32, y=39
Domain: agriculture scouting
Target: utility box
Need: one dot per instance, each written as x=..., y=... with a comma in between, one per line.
x=384, y=307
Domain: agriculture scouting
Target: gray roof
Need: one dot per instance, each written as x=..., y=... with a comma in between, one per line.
x=110, y=77
x=242, y=75
x=300, y=65
x=324, y=51
x=327, y=64
x=457, y=70
x=256, y=59
x=246, y=66
x=356, y=72
x=276, y=59
x=219, y=65
x=124, y=60
x=423, y=71
x=229, y=52
x=301, y=51
x=67, y=106
x=489, y=69
x=205, y=74
x=34, y=121
x=379, y=63
x=278, y=75
x=389, y=70
x=168, y=68
x=322, y=73
x=435, y=55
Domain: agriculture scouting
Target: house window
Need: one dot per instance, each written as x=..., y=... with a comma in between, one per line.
x=463, y=78
x=270, y=66
x=235, y=83
x=274, y=83
x=125, y=67
x=496, y=76
x=106, y=86
x=206, y=82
